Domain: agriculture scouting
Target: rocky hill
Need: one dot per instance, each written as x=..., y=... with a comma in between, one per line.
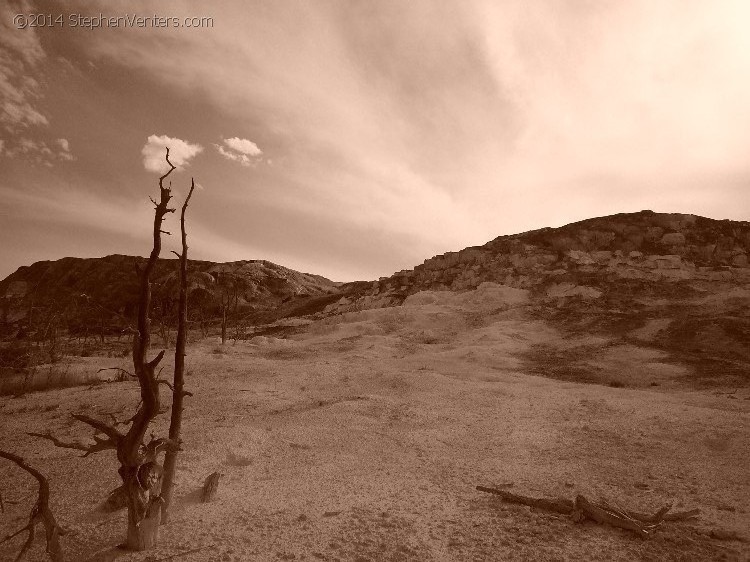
x=88, y=292
x=645, y=246
x=679, y=282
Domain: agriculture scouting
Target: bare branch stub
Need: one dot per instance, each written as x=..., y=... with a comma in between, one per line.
x=40, y=513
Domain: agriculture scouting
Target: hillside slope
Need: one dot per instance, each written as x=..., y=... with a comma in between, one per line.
x=680, y=283
x=94, y=290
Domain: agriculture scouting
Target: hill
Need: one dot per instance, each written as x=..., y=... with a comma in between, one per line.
x=680, y=283
x=100, y=294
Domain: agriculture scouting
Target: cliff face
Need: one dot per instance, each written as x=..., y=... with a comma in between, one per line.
x=583, y=259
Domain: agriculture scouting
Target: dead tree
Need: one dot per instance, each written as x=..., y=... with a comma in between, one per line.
x=139, y=468
x=40, y=513
x=178, y=382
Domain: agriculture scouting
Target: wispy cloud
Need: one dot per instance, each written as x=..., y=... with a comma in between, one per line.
x=180, y=153
x=40, y=152
x=429, y=125
x=20, y=55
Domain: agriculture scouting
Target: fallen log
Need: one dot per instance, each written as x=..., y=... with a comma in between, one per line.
x=560, y=505
x=602, y=511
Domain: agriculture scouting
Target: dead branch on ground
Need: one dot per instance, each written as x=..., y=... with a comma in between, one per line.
x=602, y=511
x=40, y=513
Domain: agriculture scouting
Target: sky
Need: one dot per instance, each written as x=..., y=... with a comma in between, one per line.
x=355, y=139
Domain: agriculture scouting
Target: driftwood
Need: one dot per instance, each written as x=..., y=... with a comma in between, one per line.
x=40, y=513
x=602, y=511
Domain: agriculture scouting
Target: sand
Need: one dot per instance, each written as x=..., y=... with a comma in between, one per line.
x=363, y=438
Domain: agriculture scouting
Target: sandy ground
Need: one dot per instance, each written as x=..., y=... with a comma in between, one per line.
x=364, y=438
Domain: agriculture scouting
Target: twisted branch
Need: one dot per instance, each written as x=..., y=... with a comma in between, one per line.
x=40, y=513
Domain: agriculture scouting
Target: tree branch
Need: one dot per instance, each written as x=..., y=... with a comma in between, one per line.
x=40, y=513
x=118, y=369
x=155, y=361
x=108, y=430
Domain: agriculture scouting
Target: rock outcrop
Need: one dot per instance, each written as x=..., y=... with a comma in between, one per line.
x=580, y=259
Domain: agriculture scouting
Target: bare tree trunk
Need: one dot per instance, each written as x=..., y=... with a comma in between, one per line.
x=139, y=468
x=223, y=322
x=178, y=392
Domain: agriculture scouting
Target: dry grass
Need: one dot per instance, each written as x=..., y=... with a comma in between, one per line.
x=63, y=374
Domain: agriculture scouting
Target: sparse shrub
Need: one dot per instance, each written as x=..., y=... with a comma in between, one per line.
x=616, y=384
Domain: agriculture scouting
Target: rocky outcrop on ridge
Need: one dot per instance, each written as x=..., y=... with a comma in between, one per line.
x=581, y=259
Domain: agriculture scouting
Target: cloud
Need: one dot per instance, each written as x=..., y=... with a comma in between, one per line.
x=518, y=115
x=39, y=152
x=180, y=153
x=20, y=57
x=240, y=150
x=64, y=152
x=244, y=146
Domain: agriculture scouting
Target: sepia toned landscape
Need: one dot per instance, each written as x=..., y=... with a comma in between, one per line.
x=354, y=422
x=374, y=281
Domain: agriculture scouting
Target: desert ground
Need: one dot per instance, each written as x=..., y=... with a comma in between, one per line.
x=363, y=436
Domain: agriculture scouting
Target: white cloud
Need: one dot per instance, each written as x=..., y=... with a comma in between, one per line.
x=240, y=150
x=180, y=153
x=64, y=144
x=243, y=159
x=244, y=146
